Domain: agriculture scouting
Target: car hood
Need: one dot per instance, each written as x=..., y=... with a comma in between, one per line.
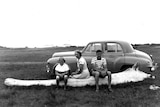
x=59, y=54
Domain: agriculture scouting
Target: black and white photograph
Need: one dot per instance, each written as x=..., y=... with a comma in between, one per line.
x=79, y=53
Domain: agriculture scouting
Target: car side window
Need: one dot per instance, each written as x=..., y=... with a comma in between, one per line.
x=113, y=47
x=93, y=47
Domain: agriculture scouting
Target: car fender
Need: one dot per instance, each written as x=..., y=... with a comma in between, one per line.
x=142, y=62
x=119, y=62
x=70, y=60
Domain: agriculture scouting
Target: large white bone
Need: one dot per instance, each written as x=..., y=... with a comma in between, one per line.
x=129, y=75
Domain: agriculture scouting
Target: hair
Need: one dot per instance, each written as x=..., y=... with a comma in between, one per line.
x=62, y=58
x=98, y=51
x=80, y=53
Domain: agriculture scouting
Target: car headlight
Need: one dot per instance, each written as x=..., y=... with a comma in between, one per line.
x=47, y=68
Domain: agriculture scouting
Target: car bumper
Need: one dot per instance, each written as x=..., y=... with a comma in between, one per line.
x=148, y=67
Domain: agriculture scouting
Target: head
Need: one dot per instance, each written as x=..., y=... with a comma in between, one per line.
x=61, y=60
x=78, y=54
x=99, y=54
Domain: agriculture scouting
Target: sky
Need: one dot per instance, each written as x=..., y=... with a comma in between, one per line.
x=43, y=23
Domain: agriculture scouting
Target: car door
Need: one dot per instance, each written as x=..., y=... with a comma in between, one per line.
x=90, y=51
x=114, y=55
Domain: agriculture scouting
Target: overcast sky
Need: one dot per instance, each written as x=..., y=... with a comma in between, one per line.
x=39, y=23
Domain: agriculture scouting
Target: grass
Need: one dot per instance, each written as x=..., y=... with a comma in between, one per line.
x=124, y=95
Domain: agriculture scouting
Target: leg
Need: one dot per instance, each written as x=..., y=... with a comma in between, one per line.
x=109, y=81
x=65, y=81
x=103, y=75
x=96, y=76
x=57, y=80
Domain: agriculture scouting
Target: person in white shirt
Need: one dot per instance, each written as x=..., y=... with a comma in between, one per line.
x=99, y=69
x=61, y=71
x=82, y=71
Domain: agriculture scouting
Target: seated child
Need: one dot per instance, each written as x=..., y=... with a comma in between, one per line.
x=61, y=71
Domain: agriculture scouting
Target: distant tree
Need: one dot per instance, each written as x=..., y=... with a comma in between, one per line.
x=73, y=46
x=2, y=47
x=154, y=44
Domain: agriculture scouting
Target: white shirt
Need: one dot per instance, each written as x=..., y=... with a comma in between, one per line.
x=99, y=63
x=62, y=68
x=83, y=62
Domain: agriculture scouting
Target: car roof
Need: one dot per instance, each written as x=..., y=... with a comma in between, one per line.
x=110, y=41
x=127, y=47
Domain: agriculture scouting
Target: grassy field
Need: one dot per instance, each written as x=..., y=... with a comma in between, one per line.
x=124, y=95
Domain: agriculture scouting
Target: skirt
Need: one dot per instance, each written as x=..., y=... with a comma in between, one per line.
x=85, y=74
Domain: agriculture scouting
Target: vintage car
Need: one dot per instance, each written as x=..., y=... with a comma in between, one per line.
x=119, y=55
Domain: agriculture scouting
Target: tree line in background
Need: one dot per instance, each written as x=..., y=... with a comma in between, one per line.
x=72, y=46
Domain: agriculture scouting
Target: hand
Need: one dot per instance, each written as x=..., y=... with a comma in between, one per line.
x=73, y=73
x=98, y=69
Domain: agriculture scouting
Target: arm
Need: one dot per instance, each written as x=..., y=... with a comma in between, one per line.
x=53, y=69
x=61, y=74
x=105, y=65
x=76, y=72
x=66, y=72
x=94, y=68
x=93, y=65
x=79, y=70
x=56, y=72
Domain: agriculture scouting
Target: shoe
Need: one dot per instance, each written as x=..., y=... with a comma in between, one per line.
x=97, y=90
x=65, y=88
x=110, y=90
